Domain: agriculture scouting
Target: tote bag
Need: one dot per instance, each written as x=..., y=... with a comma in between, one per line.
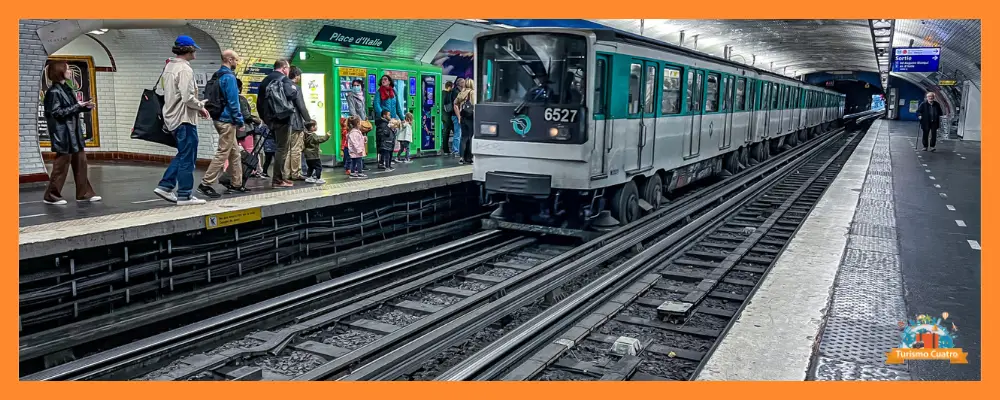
x=149, y=125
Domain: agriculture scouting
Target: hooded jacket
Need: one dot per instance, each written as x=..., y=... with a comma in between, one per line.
x=385, y=136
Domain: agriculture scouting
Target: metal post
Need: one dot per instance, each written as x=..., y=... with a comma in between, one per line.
x=696, y=42
x=681, y=41
x=642, y=26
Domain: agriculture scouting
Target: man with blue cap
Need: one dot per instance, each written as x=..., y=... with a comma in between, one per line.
x=181, y=108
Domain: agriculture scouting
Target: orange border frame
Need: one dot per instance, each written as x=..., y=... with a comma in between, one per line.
x=401, y=9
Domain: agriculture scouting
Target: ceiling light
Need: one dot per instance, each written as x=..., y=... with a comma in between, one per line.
x=882, y=39
x=98, y=32
x=882, y=32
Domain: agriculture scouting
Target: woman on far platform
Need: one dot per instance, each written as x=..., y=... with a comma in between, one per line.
x=63, y=113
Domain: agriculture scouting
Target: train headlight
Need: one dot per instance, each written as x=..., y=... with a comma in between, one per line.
x=488, y=129
x=559, y=133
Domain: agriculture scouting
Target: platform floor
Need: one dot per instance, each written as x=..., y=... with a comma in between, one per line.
x=895, y=236
x=130, y=211
x=128, y=187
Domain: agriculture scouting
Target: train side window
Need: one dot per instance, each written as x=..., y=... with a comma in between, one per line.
x=725, y=93
x=634, y=88
x=670, y=103
x=730, y=92
x=740, y=99
x=774, y=96
x=694, y=91
x=650, y=92
x=712, y=93
x=765, y=96
x=602, y=70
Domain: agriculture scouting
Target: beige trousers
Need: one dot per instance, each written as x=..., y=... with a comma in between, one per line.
x=229, y=150
x=293, y=163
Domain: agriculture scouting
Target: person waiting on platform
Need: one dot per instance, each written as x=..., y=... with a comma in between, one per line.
x=312, y=141
x=405, y=137
x=386, y=100
x=293, y=163
x=929, y=113
x=385, y=139
x=356, y=144
x=465, y=103
x=62, y=118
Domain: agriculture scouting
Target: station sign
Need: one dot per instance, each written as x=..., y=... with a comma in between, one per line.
x=916, y=59
x=333, y=35
x=946, y=83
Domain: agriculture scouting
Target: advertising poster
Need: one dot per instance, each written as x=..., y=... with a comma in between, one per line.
x=82, y=84
x=314, y=89
x=455, y=59
x=252, y=75
x=913, y=106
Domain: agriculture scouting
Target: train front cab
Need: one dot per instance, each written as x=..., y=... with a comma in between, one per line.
x=531, y=142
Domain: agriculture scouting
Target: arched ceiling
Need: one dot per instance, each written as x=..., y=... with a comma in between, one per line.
x=799, y=47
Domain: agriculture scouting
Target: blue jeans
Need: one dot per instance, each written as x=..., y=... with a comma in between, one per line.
x=348, y=161
x=180, y=173
x=357, y=165
x=456, y=138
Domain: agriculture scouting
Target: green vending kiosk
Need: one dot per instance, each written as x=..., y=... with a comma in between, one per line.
x=326, y=80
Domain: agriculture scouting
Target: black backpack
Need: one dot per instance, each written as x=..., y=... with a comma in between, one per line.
x=281, y=107
x=215, y=100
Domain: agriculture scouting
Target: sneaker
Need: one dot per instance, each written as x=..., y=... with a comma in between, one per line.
x=390, y=169
x=190, y=201
x=933, y=149
x=461, y=162
x=237, y=189
x=310, y=180
x=55, y=203
x=407, y=161
x=93, y=199
x=282, y=184
x=265, y=175
x=362, y=175
x=348, y=172
x=318, y=181
x=208, y=191
x=165, y=195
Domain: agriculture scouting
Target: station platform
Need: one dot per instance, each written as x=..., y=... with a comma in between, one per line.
x=897, y=235
x=131, y=211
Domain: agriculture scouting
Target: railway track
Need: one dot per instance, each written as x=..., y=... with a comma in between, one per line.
x=298, y=337
x=659, y=317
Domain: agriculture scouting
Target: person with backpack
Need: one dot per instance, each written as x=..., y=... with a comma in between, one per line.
x=223, y=105
x=447, y=115
x=275, y=104
x=465, y=103
x=456, y=137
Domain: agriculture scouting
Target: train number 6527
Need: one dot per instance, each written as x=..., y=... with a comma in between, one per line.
x=560, y=115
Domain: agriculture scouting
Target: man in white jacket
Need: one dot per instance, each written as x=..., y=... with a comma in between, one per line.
x=181, y=108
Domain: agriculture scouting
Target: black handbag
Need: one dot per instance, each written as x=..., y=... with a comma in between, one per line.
x=149, y=124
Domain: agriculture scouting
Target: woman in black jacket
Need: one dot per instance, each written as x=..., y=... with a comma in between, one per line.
x=63, y=115
x=929, y=113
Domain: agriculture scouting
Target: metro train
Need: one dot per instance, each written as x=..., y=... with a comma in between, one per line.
x=585, y=129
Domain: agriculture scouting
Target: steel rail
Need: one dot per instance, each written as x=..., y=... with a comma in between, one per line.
x=77, y=370
x=393, y=364
x=494, y=358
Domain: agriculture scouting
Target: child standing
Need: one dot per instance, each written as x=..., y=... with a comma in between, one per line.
x=405, y=137
x=356, y=144
x=385, y=138
x=311, y=153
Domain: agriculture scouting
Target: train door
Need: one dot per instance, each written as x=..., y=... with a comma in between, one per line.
x=765, y=107
x=695, y=89
x=632, y=134
x=752, y=110
x=790, y=110
x=774, y=123
x=729, y=108
x=602, y=127
x=647, y=124
x=429, y=114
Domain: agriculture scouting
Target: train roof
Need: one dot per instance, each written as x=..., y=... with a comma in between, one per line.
x=616, y=35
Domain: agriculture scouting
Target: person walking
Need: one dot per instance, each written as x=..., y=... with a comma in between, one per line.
x=62, y=118
x=224, y=100
x=465, y=103
x=296, y=141
x=929, y=113
x=181, y=109
x=251, y=132
x=279, y=125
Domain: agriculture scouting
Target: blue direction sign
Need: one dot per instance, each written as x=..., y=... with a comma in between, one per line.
x=916, y=59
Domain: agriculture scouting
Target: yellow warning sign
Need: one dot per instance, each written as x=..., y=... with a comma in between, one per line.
x=349, y=71
x=946, y=83
x=231, y=218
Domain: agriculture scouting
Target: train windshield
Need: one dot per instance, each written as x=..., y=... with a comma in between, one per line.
x=534, y=68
